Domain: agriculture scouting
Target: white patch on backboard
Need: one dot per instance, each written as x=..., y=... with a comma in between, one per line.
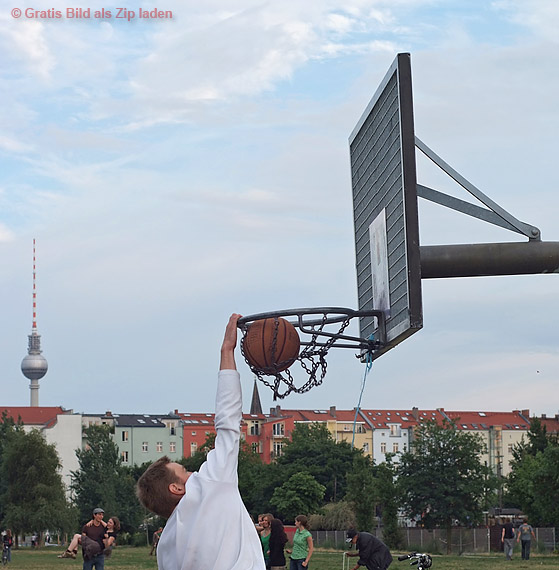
x=379, y=263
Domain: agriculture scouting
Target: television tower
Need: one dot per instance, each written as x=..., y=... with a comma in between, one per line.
x=34, y=366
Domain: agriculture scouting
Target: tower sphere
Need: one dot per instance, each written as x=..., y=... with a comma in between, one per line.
x=34, y=366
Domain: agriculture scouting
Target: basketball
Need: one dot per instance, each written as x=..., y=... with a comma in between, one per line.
x=271, y=345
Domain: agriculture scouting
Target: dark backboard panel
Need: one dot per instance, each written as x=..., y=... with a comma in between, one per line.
x=382, y=151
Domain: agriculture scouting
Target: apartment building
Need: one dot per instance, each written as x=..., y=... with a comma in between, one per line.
x=59, y=426
x=500, y=432
x=143, y=438
x=392, y=430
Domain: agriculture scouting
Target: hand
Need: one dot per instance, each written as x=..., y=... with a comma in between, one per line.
x=230, y=338
x=304, y=563
x=229, y=344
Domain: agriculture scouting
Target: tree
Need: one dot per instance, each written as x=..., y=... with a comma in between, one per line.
x=102, y=481
x=301, y=494
x=534, y=476
x=313, y=450
x=34, y=497
x=537, y=440
x=338, y=516
x=7, y=426
x=388, y=501
x=442, y=478
x=362, y=492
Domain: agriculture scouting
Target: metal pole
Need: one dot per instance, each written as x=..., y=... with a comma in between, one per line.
x=487, y=259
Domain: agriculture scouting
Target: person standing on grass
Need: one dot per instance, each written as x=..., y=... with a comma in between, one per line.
x=507, y=538
x=302, y=545
x=8, y=542
x=525, y=534
x=155, y=540
x=278, y=540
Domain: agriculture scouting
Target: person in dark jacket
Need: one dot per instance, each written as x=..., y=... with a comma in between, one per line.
x=372, y=552
x=278, y=539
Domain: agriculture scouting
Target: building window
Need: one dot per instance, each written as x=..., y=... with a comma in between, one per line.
x=193, y=447
x=278, y=429
x=394, y=448
x=510, y=447
x=124, y=436
x=366, y=447
x=172, y=447
x=278, y=446
x=395, y=431
x=144, y=446
x=193, y=433
x=383, y=447
x=255, y=428
x=173, y=430
x=124, y=456
x=159, y=447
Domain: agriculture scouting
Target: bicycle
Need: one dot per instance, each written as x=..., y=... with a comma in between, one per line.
x=423, y=561
x=5, y=553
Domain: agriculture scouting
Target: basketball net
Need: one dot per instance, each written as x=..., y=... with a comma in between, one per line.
x=312, y=359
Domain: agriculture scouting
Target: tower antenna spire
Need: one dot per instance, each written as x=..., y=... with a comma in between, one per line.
x=34, y=327
x=34, y=366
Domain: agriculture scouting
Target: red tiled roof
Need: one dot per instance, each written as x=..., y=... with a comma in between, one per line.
x=551, y=424
x=485, y=420
x=406, y=418
x=197, y=419
x=35, y=415
x=309, y=415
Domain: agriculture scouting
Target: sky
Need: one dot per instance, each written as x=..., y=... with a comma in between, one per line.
x=174, y=170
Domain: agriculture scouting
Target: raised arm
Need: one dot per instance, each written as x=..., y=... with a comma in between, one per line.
x=221, y=463
x=229, y=344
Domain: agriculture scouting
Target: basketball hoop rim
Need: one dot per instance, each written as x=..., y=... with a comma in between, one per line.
x=328, y=315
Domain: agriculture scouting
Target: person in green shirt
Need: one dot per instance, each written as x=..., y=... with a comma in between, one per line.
x=302, y=545
x=264, y=532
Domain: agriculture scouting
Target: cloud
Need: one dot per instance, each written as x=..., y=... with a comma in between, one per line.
x=11, y=145
x=6, y=235
x=541, y=17
x=176, y=171
x=26, y=43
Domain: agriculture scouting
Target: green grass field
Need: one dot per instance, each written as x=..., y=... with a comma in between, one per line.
x=127, y=558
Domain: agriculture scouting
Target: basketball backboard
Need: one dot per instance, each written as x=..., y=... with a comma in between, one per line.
x=383, y=171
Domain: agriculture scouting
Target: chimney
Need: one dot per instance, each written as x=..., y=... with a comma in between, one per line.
x=276, y=412
x=109, y=414
x=333, y=411
x=544, y=417
x=415, y=413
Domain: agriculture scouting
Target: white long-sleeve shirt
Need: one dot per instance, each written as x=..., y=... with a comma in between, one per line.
x=210, y=528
